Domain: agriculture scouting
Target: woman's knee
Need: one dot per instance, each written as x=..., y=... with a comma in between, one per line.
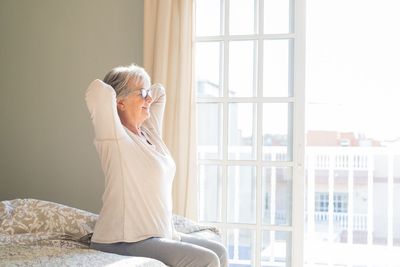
x=210, y=259
x=220, y=251
x=199, y=257
x=222, y=254
x=211, y=245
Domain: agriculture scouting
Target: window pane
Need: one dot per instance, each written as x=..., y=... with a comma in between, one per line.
x=277, y=80
x=277, y=16
x=277, y=196
x=241, y=138
x=210, y=193
x=208, y=130
x=208, y=13
x=241, y=17
x=241, y=243
x=208, y=66
x=241, y=194
x=277, y=132
x=241, y=68
x=276, y=249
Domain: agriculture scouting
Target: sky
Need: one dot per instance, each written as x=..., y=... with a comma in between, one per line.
x=353, y=67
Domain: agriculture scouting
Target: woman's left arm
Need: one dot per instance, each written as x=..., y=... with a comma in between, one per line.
x=155, y=122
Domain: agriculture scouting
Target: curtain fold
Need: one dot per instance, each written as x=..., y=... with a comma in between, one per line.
x=168, y=59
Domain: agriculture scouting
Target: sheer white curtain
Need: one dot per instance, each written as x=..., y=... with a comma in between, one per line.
x=168, y=59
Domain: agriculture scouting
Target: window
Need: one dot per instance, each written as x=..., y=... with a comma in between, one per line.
x=339, y=202
x=250, y=106
x=321, y=202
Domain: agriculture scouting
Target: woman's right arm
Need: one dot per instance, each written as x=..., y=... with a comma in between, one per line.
x=102, y=105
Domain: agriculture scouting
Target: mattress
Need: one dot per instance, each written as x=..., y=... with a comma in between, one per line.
x=34, y=255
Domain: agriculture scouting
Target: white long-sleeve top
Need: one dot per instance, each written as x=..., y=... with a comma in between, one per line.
x=137, y=200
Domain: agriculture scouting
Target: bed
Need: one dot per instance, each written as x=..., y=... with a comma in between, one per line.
x=42, y=233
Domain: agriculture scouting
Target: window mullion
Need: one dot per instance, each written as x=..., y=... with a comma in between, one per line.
x=259, y=86
x=246, y=99
x=247, y=37
x=298, y=13
x=223, y=100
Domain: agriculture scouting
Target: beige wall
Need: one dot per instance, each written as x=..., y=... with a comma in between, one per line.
x=50, y=50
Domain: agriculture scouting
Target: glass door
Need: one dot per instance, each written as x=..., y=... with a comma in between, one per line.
x=250, y=106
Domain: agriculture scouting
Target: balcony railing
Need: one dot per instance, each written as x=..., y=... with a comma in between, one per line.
x=341, y=219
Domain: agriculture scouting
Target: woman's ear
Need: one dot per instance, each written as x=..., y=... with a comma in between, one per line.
x=120, y=104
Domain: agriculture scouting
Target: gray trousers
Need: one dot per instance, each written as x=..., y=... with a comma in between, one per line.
x=189, y=252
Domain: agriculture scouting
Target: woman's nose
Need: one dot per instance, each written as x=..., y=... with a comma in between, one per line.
x=149, y=99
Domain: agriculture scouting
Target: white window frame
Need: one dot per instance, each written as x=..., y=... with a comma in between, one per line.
x=298, y=145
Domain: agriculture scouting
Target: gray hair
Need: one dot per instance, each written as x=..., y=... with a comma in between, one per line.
x=119, y=77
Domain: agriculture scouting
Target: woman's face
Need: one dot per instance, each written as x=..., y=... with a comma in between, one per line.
x=134, y=107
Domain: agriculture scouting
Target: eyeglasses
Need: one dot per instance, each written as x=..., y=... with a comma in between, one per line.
x=144, y=92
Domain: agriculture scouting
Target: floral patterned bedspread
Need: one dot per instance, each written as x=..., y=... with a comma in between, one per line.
x=41, y=233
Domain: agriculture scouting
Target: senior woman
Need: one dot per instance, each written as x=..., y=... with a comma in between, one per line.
x=136, y=217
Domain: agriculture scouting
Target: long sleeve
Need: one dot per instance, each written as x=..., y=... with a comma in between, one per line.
x=102, y=105
x=155, y=122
